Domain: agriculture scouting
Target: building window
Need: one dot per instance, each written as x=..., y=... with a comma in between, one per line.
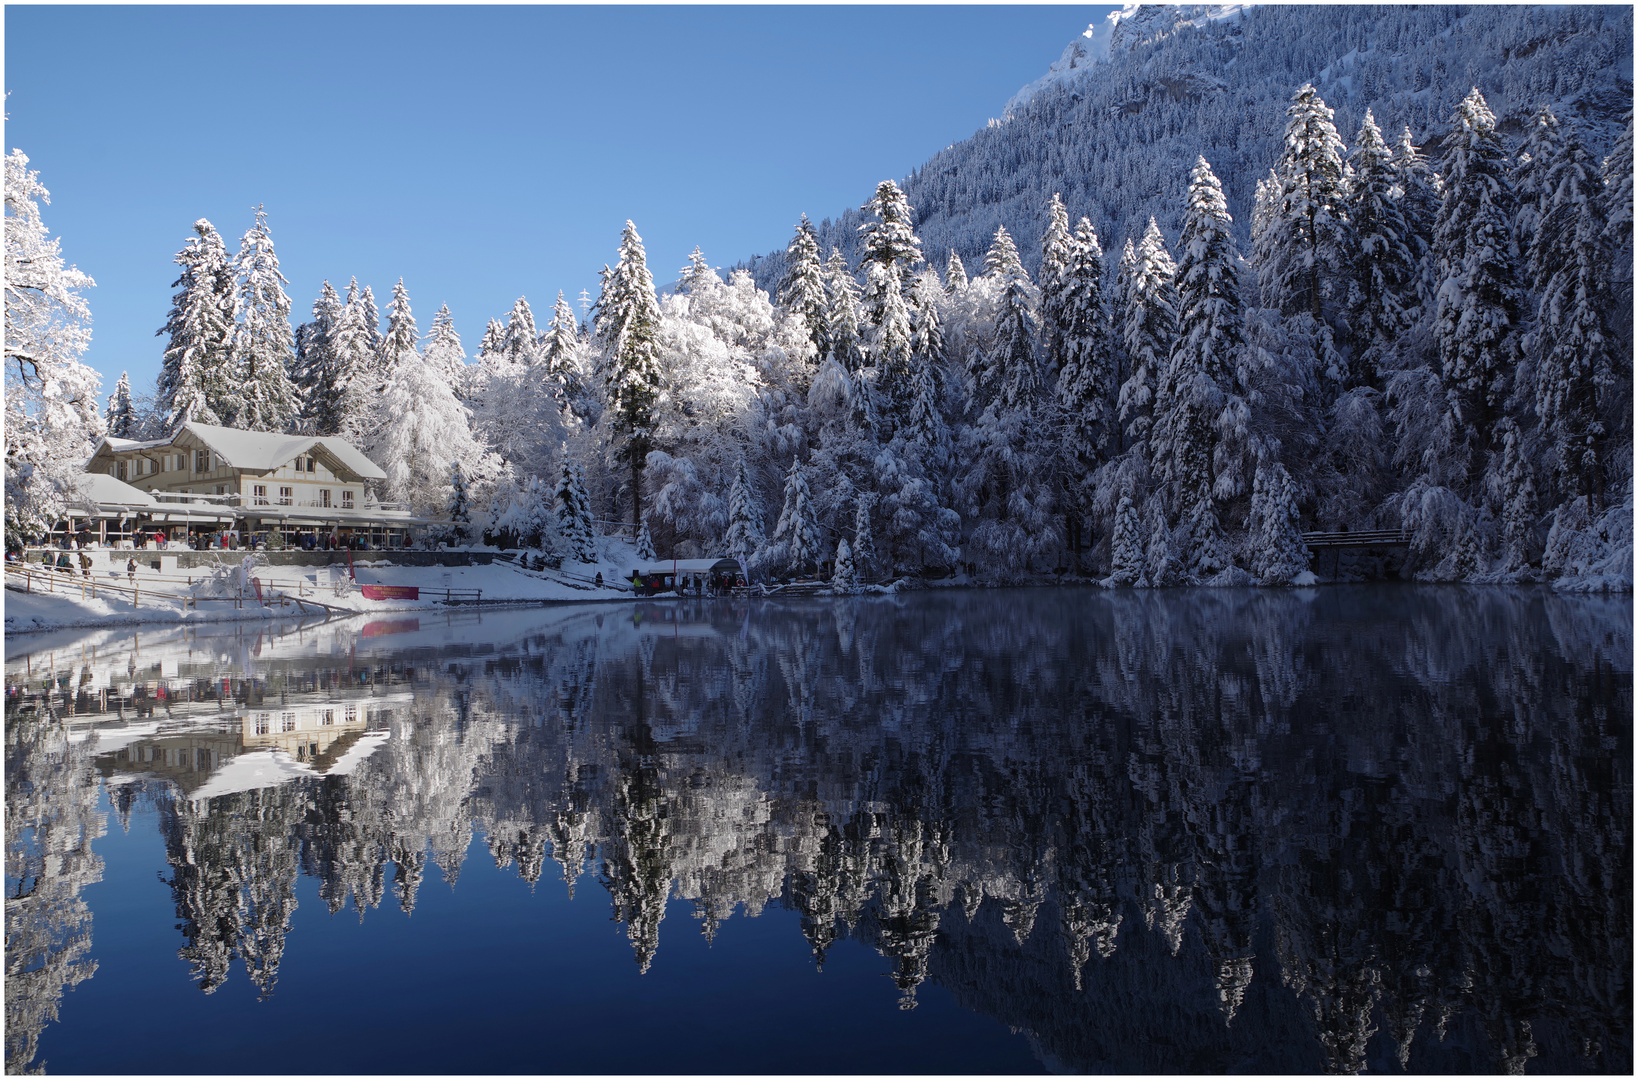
x=258, y=494
x=201, y=461
x=263, y=720
x=284, y=496
x=290, y=721
x=324, y=497
x=221, y=489
x=347, y=500
x=119, y=470
x=352, y=714
x=329, y=717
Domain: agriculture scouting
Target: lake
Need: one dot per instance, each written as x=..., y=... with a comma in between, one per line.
x=1374, y=828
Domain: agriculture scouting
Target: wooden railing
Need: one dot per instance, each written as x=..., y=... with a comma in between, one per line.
x=1374, y=538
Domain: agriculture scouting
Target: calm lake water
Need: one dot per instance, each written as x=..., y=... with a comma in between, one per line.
x=1356, y=828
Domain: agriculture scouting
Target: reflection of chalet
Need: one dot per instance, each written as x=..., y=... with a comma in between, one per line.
x=219, y=477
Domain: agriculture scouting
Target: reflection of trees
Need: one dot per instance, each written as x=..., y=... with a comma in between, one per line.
x=1202, y=831
x=51, y=820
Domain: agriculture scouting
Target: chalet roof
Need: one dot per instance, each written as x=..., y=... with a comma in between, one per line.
x=263, y=450
x=103, y=490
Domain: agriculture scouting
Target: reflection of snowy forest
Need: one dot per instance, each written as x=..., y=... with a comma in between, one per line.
x=1102, y=818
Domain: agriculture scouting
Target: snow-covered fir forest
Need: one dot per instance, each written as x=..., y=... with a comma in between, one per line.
x=1418, y=317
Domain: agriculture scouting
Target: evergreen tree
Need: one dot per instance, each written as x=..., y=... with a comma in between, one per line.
x=1008, y=371
x=420, y=425
x=846, y=349
x=803, y=290
x=197, y=378
x=797, y=528
x=864, y=545
x=1572, y=340
x=314, y=357
x=460, y=514
x=627, y=321
x=560, y=351
x=494, y=340
x=924, y=420
x=371, y=317
x=1477, y=313
x=1054, y=280
x=1149, y=330
x=843, y=577
x=891, y=343
x=890, y=240
x=1201, y=370
x=574, y=514
x=402, y=339
x=1519, y=510
x=1301, y=247
x=121, y=416
x=1086, y=351
x=265, y=345
x=1618, y=240
x=347, y=396
x=1383, y=256
x=955, y=274
x=519, y=342
x=645, y=544
x=1542, y=145
x=1278, y=551
x=444, y=355
x=744, y=519
x=1126, y=548
x=1421, y=194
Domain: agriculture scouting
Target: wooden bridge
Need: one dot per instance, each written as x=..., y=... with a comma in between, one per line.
x=1328, y=541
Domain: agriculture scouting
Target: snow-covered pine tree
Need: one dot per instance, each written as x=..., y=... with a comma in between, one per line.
x=924, y=423
x=371, y=317
x=846, y=347
x=803, y=290
x=494, y=340
x=458, y=507
x=402, y=339
x=1478, y=305
x=955, y=274
x=314, y=357
x=1518, y=499
x=890, y=239
x=864, y=544
x=121, y=418
x=1618, y=237
x=645, y=543
x=519, y=342
x=797, y=529
x=52, y=419
x=1149, y=329
x=1571, y=343
x=1195, y=400
x=891, y=344
x=1129, y=564
x=348, y=393
x=1009, y=371
x=574, y=513
x=560, y=351
x=744, y=537
x=444, y=355
x=1085, y=386
x=265, y=346
x=1422, y=192
x=197, y=380
x=1383, y=256
x=1278, y=552
x=1542, y=145
x=1054, y=282
x=627, y=321
x=1301, y=247
x=843, y=576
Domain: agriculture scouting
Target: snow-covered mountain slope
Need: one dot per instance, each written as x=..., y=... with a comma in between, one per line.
x=1116, y=122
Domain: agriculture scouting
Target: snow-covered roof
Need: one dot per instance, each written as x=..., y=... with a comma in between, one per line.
x=263, y=450
x=102, y=489
x=690, y=566
x=121, y=446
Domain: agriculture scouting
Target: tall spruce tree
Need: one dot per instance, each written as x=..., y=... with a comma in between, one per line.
x=955, y=274
x=444, y=354
x=864, y=543
x=348, y=393
x=744, y=537
x=574, y=514
x=891, y=342
x=627, y=321
x=803, y=290
x=560, y=351
x=314, y=358
x=371, y=317
x=402, y=339
x=1383, y=256
x=121, y=416
x=265, y=346
x=1477, y=310
x=519, y=342
x=1302, y=245
x=1149, y=328
x=798, y=529
x=1572, y=341
x=890, y=239
x=197, y=380
x=1054, y=282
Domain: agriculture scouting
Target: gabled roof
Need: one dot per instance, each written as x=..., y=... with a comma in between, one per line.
x=261, y=451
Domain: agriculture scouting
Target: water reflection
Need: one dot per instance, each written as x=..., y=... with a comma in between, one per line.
x=1351, y=829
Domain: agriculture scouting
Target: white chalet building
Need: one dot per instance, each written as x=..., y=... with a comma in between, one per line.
x=252, y=481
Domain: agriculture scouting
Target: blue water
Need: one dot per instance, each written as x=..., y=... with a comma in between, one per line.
x=1359, y=829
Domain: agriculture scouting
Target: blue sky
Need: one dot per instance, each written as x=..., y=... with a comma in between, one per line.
x=481, y=153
